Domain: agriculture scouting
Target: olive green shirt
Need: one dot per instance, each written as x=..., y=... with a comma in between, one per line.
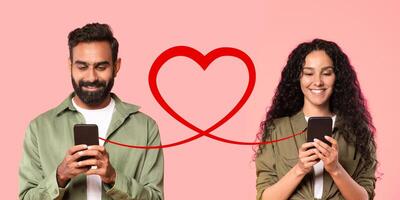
x=139, y=172
x=278, y=158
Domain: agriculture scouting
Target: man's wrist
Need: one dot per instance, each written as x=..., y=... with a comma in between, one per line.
x=111, y=180
x=61, y=180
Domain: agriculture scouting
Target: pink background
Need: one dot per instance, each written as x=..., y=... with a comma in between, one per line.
x=35, y=76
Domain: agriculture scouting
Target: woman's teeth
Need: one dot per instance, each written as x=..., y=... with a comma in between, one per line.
x=317, y=91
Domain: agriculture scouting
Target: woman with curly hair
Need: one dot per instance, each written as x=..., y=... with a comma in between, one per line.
x=318, y=80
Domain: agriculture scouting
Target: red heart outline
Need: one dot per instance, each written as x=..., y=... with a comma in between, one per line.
x=204, y=62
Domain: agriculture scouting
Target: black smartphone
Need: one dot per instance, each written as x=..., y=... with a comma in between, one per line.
x=318, y=127
x=86, y=134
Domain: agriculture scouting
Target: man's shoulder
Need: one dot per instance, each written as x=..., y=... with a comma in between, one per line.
x=138, y=113
x=144, y=116
x=49, y=115
x=134, y=111
x=46, y=116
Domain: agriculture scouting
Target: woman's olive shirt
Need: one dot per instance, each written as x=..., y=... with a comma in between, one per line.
x=278, y=158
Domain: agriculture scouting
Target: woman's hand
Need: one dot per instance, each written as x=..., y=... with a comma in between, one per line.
x=328, y=154
x=307, y=158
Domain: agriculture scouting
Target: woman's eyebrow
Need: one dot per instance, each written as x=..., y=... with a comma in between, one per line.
x=327, y=67
x=323, y=68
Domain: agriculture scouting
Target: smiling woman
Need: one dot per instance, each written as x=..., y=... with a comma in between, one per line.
x=317, y=80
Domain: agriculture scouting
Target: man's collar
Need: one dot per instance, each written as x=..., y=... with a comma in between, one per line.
x=121, y=107
x=124, y=109
x=65, y=105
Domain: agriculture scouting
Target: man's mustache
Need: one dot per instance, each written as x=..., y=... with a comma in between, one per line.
x=96, y=83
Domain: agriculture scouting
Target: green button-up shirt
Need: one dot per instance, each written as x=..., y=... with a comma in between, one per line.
x=278, y=158
x=139, y=171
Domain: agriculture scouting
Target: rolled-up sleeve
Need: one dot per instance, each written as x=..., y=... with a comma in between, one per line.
x=33, y=184
x=265, y=167
x=150, y=185
x=366, y=176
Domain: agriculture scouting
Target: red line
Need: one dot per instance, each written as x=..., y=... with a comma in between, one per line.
x=198, y=136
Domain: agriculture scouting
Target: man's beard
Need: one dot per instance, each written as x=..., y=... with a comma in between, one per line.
x=93, y=97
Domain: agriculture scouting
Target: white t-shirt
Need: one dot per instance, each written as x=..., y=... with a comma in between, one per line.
x=102, y=118
x=319, y=171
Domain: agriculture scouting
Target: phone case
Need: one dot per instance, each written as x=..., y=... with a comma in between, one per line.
x=318, y=127
x=86, y=134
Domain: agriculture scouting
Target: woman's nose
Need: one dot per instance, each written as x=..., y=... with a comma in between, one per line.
x=318, y=81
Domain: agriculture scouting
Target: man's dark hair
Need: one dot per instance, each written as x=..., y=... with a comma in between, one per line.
x=91, y=33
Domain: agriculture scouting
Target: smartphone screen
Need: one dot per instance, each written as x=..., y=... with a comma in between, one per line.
x=86, y=134
x=318, y=127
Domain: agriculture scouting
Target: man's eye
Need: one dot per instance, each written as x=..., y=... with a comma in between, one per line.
x=101, y=67
x=81, y=67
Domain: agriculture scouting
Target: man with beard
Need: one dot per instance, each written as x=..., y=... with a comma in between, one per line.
x=50, y=167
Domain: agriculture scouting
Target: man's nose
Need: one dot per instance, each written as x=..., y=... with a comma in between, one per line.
x=91, y=75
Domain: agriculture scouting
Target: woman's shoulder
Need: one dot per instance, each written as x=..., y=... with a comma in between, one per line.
x=289, y=120
x=287, y=125
x=281, y=121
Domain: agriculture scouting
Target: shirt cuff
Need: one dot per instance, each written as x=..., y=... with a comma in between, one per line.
x=51, y=185
x=123, y=187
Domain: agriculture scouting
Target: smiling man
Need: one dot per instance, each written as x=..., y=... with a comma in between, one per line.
x=51, y=167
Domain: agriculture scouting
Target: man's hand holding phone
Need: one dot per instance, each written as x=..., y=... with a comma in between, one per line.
x=86, y=157
x=70, y=166
x=102, y=162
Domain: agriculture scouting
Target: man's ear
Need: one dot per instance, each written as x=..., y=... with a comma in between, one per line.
x=69, y=64
x=117, y=66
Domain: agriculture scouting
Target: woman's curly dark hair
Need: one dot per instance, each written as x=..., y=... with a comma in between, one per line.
x=346, y=101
